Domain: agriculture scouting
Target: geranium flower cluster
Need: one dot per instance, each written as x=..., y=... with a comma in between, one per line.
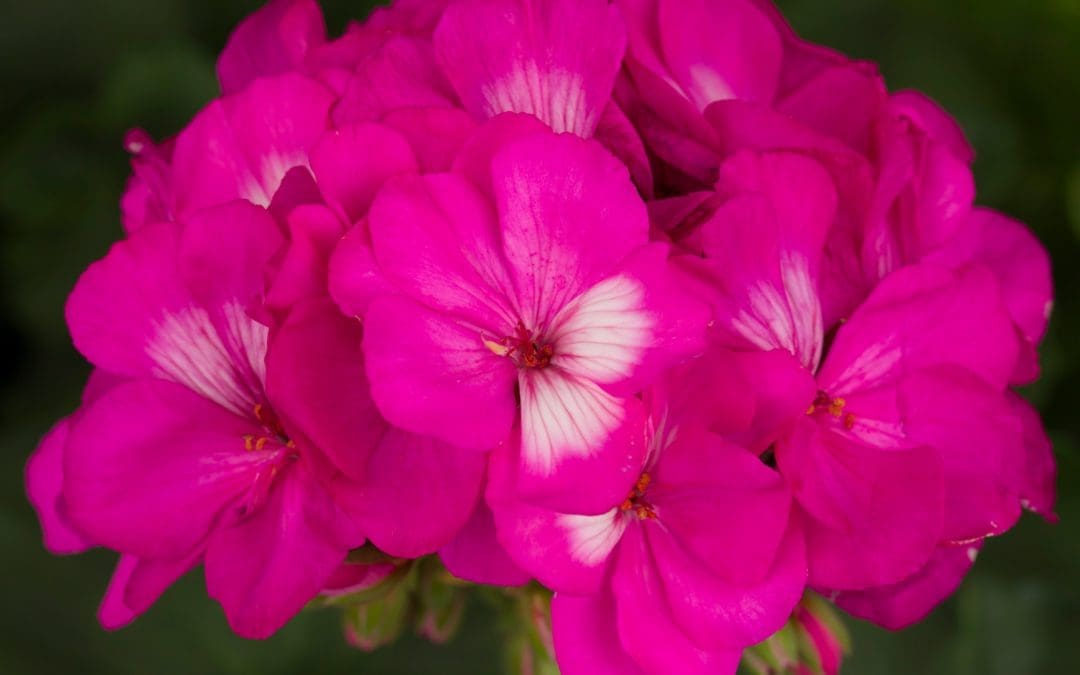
x=649, y=301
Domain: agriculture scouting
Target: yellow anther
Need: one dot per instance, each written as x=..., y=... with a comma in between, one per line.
x=836, y=407
x=248, y=440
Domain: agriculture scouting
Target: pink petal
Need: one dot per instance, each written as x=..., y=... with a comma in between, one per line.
x=151, y=467
x=353, y=277
x=628, y=329
x=842, y=102
x=474, y=159
x=646, y=626
x=780, y=388
x=436, y=238
x=1030, y=470
x=714, y=497
x=272, y=40
x=718, y=51
x=399, y=74
x=974, y=428
x=901, y=604
x=566, y=552
x=586, y=639
x=137, y=584
x=416, y=495
x=763, y=251
x=224, y=251
x=317, y=384
x=581, y=447
x=265, y=568
x=922, y=316
x=873, y=516
x=475, y=554
x=436, y=135
x=352, y=163
x=302, y=268
x=1021, y=265
x=242, y=145
x=555, y=59
x=111, y=310
x=616, y=133
x=719, y=614
x=934, y=121
x=557, y=241
x=431, y=375
x=44, y=488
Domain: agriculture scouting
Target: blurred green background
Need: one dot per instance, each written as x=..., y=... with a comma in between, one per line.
x=75, y=75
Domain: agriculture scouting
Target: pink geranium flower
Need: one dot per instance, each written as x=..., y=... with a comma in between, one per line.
x=531, y=294
x=881, y=447
x=267, y=465
x=696, y=561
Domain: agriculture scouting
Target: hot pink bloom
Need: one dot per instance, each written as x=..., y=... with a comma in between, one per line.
x=905, y=430
x=267, y=466
x=695, y=562
x=534, y=287
x=553, y=59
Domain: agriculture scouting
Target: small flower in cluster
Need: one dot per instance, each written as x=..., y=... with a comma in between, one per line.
x=671, y=329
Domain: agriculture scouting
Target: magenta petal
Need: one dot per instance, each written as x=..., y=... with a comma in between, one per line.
x=873, y=516
x=1021, y=265
x=436, y=238
x=720, y=50
x=265, y=568
x=715, y=497
x=301, y=274
x=273, y=40
x=1030, y=469
x=842, y=102
x=718, y=614
x=646, y=627
x=44, y=488
x=353, y=277
x=351, y=164
x=780, y=388
x=441, y=482
x=316, y=382
x=400, y=74
x=137, y=584
x=933, y=120
x=906, y=602
x=111, y=311
x=565, y=552
x=431, y=375
x=616, y=133
x=581, y=448
x=920, y=316
x=242, y=145
x=677, y=323
x=223, y=254
x=150, y=467
x=476, y=555
x=975, y=429
x=436, y=135
x=558, y=243
x=763, y=248
x=555, y=59
x=585, y=635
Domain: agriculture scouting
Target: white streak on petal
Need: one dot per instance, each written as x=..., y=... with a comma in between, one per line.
x=259, y=189
x=871, y=365
x=602, y=334
x=592, y=538
x=556, y=97
x=229, y=370
x=563, y=416
x=786, y=317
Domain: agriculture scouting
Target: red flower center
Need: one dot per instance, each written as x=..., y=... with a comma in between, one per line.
x=635, y=502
